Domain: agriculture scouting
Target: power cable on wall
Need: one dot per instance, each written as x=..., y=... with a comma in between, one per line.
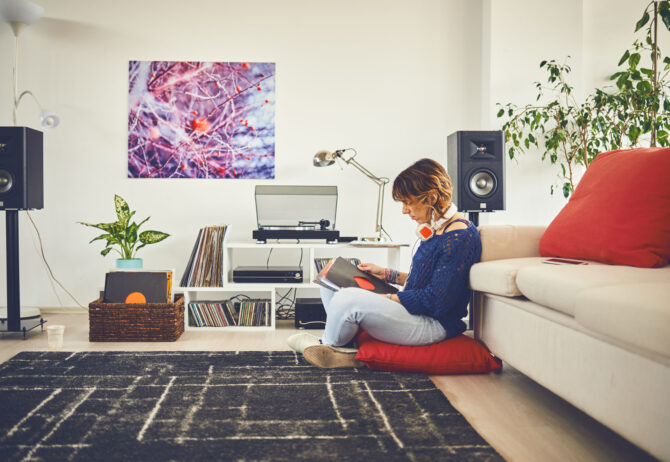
x=49, y=271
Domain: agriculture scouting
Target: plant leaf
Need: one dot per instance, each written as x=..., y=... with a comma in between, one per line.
x=103, y=226
x=151, y=237
x=102, y=236
x=665, y=16
x=131, y=233
x=623, y=60
x=122, y=209
x=105, y=251
x=634, y=60
x=640, y=24
x=566, y=190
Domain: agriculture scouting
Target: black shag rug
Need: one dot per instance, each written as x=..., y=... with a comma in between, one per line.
x=189, y=406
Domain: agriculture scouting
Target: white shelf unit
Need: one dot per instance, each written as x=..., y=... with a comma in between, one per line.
x=269, y=290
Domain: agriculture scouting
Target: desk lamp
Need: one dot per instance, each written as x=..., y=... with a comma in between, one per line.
x=18, y=14
x=326, y=158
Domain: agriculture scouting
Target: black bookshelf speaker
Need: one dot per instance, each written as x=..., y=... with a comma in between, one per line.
x=476, y=166
x=21, y=168
x=309, y=313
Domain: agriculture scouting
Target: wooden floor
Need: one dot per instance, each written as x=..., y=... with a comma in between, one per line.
x=522, y=420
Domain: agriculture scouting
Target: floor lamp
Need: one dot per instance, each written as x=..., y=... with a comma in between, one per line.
x=326, y=158
x=19, y=14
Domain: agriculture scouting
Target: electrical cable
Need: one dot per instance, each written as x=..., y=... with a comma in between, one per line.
x=286, y=310
x=387, y=234
x=44, y=259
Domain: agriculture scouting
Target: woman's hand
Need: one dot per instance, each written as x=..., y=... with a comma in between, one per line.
x=375, y=270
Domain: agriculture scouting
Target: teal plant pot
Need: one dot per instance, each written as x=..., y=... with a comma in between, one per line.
x=129, y=264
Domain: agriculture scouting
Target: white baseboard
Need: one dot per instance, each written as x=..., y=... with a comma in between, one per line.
x=63, y=310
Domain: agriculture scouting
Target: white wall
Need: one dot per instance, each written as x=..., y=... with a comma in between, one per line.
x=391, y=78
x=608, y=31
x=522, y=34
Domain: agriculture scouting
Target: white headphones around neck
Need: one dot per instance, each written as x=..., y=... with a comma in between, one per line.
x=427, y=230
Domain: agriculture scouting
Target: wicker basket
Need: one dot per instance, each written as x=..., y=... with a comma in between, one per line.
x=146, y=322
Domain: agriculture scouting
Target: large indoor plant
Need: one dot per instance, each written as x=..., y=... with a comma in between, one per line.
x=122, y=236
x=635, y=110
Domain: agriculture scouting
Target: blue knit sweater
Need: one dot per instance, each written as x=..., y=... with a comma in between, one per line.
x=438, y=285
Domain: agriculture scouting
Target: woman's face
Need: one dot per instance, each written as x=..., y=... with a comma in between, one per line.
x=417, y=211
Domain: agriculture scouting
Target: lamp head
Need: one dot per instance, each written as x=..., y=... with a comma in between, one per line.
x=19, y=13
x=325, y=158
x=49, y=120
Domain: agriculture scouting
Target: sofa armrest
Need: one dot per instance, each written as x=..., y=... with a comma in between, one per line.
x=508, y=241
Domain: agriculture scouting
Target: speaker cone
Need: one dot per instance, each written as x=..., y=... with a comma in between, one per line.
x=482, y=183
x=5, y=181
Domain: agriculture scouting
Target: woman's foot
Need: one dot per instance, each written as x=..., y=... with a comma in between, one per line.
x=327, y=357
x=298, y=342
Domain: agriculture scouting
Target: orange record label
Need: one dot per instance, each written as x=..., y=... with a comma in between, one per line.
x=364, y=283
x=136, y=297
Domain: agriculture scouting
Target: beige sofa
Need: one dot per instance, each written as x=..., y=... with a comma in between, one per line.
x=597, y=335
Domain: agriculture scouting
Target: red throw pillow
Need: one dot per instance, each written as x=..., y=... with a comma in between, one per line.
x=457, y=355
x=619, y=213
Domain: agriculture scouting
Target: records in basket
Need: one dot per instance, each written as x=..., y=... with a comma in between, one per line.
x=138, y=287
x=205, y=266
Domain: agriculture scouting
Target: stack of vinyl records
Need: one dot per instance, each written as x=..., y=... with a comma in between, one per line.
x=205, y=266
x=225, y=313
x=138, y=287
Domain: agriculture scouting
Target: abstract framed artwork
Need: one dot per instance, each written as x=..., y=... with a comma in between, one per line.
x=201, y=119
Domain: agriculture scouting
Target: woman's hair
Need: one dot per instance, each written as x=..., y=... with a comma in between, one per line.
x=419, y=180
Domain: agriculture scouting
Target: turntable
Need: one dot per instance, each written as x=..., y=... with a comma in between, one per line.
x=297, y=213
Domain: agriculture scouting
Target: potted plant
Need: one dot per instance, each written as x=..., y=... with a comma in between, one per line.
x=122, y=236
x=570, y=133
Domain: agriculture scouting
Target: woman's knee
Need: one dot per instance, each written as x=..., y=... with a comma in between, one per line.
x=351, y=304
x=346, y=297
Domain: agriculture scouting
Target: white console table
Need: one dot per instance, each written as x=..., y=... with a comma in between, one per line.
x=311, y=250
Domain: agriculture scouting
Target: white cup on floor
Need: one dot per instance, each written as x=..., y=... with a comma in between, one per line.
x=55, y=337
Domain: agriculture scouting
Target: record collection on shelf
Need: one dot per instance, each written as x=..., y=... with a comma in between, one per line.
x=205, y=266
x=224, y=313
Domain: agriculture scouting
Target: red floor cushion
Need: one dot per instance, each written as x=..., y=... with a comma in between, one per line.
x=619, y=213
x=457, y=355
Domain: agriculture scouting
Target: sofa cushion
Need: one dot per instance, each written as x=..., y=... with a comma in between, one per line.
x=619, y=213
x=499, y=276
x=558, y=286
x=501, y=242
x=637, y=314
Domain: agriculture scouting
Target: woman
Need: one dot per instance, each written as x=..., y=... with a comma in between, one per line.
x=434, y=299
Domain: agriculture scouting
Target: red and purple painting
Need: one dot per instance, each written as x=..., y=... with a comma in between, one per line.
x=201, y=120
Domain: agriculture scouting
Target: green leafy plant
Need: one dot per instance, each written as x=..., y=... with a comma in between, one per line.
x=122, y=235
x=571, y=133
x=561, y=126
x=640, y=104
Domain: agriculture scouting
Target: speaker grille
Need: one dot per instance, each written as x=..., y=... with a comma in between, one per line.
x=476, y=165
x=6, y=181
x=482, y=183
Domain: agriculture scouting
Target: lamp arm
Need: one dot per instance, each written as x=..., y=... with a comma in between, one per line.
x=381, y=183
x=365, y=171
x=28, y=92
x=18, y=101
x=15, y=74
x=380, y=211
